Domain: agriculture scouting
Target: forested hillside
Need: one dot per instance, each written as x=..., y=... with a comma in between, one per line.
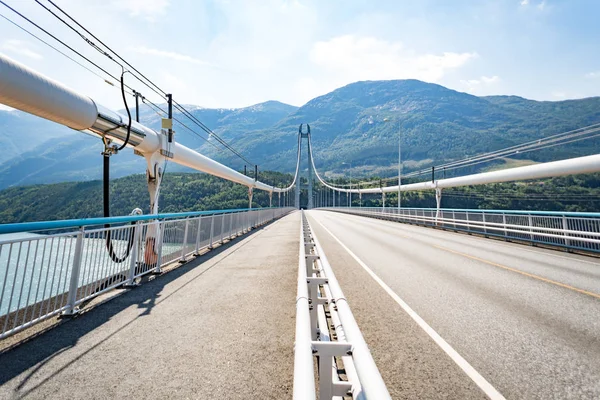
x=196, y=192
x=180, y=192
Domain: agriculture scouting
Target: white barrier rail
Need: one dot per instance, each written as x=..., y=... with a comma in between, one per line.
x=567, y=230
x=46, y=274
x=322, y=315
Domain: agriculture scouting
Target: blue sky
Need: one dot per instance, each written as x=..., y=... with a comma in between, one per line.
x=234, y=53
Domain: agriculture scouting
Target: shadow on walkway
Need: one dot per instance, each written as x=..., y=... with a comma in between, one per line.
x=38, y=350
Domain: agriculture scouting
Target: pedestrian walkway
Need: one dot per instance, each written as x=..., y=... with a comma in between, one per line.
x=221, y=326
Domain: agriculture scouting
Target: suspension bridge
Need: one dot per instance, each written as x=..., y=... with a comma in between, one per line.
x=338, y=301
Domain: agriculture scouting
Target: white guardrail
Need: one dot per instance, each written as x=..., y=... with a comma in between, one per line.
x=44, y=273
x=577, y=231
x=326, y=328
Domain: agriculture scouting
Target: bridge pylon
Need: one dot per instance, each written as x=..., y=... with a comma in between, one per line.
x=309, y=186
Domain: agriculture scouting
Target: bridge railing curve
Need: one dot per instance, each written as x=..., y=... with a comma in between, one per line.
x=54, y=267
x=568, y=230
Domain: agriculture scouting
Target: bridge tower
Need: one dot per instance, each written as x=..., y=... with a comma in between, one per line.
x=299, y=186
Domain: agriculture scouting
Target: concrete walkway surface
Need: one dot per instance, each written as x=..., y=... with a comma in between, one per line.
x=219, y=327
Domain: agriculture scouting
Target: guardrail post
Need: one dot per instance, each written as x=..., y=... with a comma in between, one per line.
x=504, y=223
x=185, y=235
x=212, y=230
x=231, y=226
x=75, y=270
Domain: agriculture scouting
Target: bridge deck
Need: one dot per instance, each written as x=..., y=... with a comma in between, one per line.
x=526, y=319
x=221, y=326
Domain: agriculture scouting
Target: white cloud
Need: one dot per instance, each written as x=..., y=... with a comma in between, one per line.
x=353, y=58
x=593, y=75
x=20, y=47
x=524, y=2
x=480, y=85
x=147, y=9
x=169, y=54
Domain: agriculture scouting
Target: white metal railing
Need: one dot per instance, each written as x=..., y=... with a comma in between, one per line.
x=578, y=231
x=44, y=273
x=320, y=303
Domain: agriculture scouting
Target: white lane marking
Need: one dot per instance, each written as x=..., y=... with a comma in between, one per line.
x=549, y=253
x=479, y=380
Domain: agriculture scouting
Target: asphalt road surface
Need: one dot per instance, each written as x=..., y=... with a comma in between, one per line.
x=464, y=317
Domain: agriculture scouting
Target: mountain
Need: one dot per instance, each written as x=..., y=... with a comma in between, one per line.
x=361, y=122
x=46, y=152
x=358, y=124
x=21, y=132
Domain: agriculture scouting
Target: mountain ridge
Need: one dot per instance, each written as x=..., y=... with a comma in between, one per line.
x=359, y=123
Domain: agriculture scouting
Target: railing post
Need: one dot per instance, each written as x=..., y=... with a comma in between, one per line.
x=504, y=223
x=530, y=221
x=231, y=226
x=133, y=257
x=222, y=228
x=159, y=244
x=484, y=224
x=198, y=235
x=565, y=225
x=185, y=234
x=438, y=202
x=75, y=270
x=212, y=230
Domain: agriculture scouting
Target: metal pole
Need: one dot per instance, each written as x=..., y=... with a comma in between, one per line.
x=399, y=173
x=170, y=108
x=137, y=106
x=350, y=177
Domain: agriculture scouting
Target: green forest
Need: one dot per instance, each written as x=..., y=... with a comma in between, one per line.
x=180, y=192
x=196, y=192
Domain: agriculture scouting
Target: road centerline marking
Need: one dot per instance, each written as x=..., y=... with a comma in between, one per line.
x=540, y=278
x=463, y=364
